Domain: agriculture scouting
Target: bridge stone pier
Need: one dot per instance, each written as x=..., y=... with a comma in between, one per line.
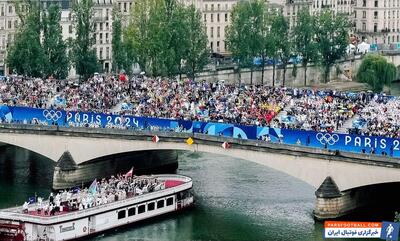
x=343, y=181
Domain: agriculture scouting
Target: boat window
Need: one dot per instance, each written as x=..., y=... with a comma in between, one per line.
x=160, y=203
x=131, y=211
x=170, y=201
x=141, y=208
x=121, y=214
x=150, y=206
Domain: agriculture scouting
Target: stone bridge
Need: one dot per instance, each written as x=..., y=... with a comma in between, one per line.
x=343, y=181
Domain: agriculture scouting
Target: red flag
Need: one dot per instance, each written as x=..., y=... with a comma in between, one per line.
x=129, y=173
x=226, y=145
x=155, y=139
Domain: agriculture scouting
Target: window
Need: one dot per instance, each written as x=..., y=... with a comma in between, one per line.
x=101, y=38
x=376, y=15
x=131, y=211
x=212, y=18
x=226, y=17
x=9, y=24
x=141, y=208
x=125, y=7
x=375, y=27
x=101, y=53
x=364, y=3
x=150, y=206
x=212, y=32
x=2, y=11
x=218, y=31
x=218, y=17
x=121, y=214
x=205, y=17
x=101, y=26
x=170, y=200
x=107, y=38
x=376, y=3
x=160, y=203
x=70, y=29
x=364, y=14
x=10, y=9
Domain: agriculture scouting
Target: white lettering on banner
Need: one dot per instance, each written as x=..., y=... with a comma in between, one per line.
x=85, y=118
x=98, y=119
x=77, y=117
x=383, y=143
x=69, y=116
x=396, y=145
x=357, y=141
x=135, y=122
x=367, y=142
x=347, y=139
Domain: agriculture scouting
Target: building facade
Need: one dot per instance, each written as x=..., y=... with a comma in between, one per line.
x=8, y=25
x=378, y=21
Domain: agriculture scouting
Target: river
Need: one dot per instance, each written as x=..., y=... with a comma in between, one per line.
x=235, y=200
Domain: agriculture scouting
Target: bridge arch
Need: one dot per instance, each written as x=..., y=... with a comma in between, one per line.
x=347, y=175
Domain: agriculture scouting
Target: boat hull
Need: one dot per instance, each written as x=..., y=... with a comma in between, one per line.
x=93, y=221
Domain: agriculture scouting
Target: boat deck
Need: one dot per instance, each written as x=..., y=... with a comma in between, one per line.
x=17, y=213
x=168, y=184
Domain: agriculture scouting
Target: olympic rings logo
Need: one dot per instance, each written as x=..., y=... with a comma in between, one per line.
x=52, y=115
x=327, y=138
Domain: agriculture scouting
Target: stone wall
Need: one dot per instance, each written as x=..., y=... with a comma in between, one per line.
x=343, y=71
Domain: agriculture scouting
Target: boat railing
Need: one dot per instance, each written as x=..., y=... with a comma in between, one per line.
x=186, y=184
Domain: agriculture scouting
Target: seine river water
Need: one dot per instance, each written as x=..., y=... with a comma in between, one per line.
x=235, y=200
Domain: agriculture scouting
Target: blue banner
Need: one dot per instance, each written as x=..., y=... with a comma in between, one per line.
x=332, y=141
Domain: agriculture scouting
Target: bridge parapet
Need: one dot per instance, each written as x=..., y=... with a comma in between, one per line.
x=200, y=138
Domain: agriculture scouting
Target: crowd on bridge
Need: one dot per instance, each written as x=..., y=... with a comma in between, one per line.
x=296, y=108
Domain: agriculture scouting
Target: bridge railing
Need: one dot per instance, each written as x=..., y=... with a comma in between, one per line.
x=60, y=120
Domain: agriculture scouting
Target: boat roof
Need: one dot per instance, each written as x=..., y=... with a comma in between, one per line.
x=173, y=184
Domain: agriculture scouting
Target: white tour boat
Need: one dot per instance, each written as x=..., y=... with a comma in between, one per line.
x=168, y=193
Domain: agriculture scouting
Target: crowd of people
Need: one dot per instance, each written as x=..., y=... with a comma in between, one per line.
x=381, y=117
x=99, y=193
x=306, y=109
x=322, y=110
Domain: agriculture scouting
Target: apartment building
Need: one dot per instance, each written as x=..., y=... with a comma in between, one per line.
x=378, y=21
x=293, y=7
x=337, y=6
x=8, y=24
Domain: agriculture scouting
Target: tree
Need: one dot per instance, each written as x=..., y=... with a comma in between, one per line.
x=332, y=39
x=376, y=71
x=283, y=41
x=26, y=55
x=243, y=35
x=118, y=48
x=304, y=34
x=197, y=54
x=55, y=48
x=84, y=55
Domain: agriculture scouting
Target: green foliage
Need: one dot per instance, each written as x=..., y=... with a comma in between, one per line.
x=376, y=71
x=332, y=32
x=197, y=54
x=164, y=34
x=283, y=41
x=118, y=53
x=84, y=55
x=54, y=47
x=304, y=38
x=244, y=36
x=26, y=55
